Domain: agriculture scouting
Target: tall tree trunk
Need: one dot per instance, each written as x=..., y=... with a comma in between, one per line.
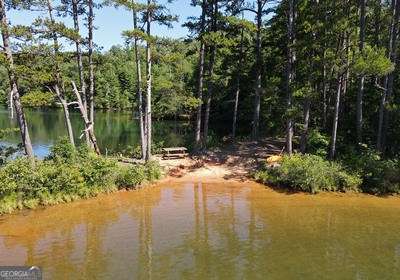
x=23, y=126
x=210, y=85
x=235, y=107
x=383, y=121
x=360, y=93
x=381, y=113
x=91, y=65
x=148, y=84
x=325, y=82
x=324, y=93
x=88, y=129
x=306, y=121
x=341, y=90
x=210, y=88
x=80, y=63
x=10, y=105
x=386, y=110
x=237, y=91
x=139, y=87
x=377, y=23
x=307, y=107
x=330, y=82
x=200, y=76
x=64, y=105
x=290, y=75
x=57, y=76
x=258, y=89
x=346, y=78
x=332, y=153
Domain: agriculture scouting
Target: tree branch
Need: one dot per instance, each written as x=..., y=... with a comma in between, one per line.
x=379, y=86
x=88, y=128
x=248, y=10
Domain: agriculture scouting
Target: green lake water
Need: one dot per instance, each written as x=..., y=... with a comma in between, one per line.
x=115, y=131
x=191, y=230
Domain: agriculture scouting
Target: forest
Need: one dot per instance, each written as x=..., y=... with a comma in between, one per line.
x=320, y=74
x=199, y=139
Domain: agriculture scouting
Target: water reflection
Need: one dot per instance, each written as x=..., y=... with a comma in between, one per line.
x=114, y=130
x=208, y=231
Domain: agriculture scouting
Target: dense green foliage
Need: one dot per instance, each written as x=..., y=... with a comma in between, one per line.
x=66, y=175
x=309, y=173
x=327, y=51
x=38, y=99
x=318, y=143
x=173, y=66
x=379, y=176
x=366, y=172
x=331, y=79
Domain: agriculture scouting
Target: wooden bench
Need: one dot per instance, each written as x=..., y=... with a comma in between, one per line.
x=174, y=152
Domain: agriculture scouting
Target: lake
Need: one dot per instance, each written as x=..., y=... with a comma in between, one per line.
x=192, y=230
x=115, y=131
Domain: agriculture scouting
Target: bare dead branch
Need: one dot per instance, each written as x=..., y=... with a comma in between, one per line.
x=87, y=129
x=377, y=85
x=73, y=103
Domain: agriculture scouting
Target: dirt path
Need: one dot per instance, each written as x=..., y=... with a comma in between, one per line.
x=234, y=162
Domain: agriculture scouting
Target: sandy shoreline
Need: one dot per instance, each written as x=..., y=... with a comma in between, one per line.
x=190, y=169
x=235, y=162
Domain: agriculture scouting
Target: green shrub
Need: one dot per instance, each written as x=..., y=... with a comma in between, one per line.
x=98, y=171
x=60, y=177
x=46, y=178
x=380, y=176
x=66, y=175
x=16, y=177
x=63, y=151
x=8, y=185
x=131, y=176
x=317, y=143
x=309, y=173
x=9, y=203
x=153, y=171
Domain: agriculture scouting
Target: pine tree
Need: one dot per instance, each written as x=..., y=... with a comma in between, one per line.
x=19, y=111
x=291, y=57
x=211, y=65
x=199, y=27
x=360, y=92
x=90, y=19
x=383, y=121
x=259, y=9
x=58, y=84
x=152, y=12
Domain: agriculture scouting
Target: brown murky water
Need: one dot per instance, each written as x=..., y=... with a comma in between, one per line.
x=209, y=231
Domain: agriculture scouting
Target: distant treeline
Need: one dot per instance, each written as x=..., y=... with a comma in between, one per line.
x=115, y=78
